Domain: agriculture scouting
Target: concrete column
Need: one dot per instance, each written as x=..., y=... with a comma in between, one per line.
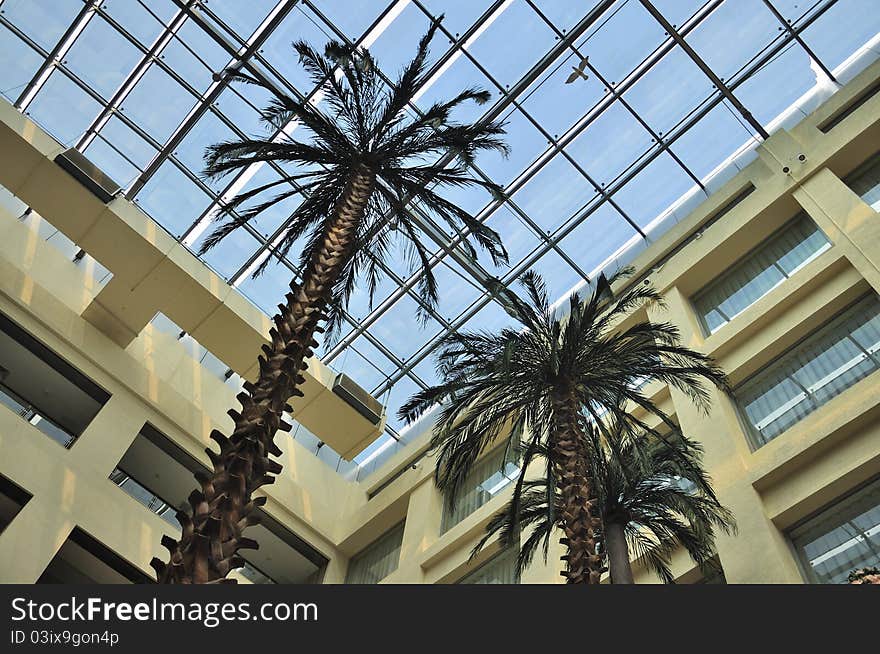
x=335, y=572
x=422, y=529
x=109, y=434
x=760, y=552
x=846, y=219
x=31, y=540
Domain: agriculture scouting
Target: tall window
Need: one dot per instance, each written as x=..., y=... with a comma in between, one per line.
x=842, y=538
x=377, y=560
x=817, y=369
x=501, y=569
x=866, y=182
x=489, y=476
x=759, y=272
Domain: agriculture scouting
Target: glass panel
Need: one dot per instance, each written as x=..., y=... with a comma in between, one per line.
x=554, y=193
x=129, y=154
x=45, y=21
x=365, y=364
x=557, y=105
x=597, y=238
x=492, y=48
x=744, y=27
x=564, y=14
x=267, y=290
x=157, y=103
x=398, y=330
x=378, y=560
x=242, y=17
x=653, y=191
x=402, y=390
x=278, y=52
x=669, y=91
x=488, y=477
x=525, y=143
x=144, y=22
x=843, y=538
x=841, y=30
x=88, y=57
x=778, y=84
x=617, y=46
x=242, y=105
x=821, y=367
x=610, y=144
x=711, y=141
x=460, y=75
x=458, y=15
x=760, y=272
x=518, y=238
x=172, y=199
x=63, y=109
x=456, y=290
x=352, y=17
x=191, y=150
x=194, y=55
x=18, y=62
x=229, y=254
x=396, y=46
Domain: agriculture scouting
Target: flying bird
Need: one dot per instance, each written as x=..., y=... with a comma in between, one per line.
x=578, y=71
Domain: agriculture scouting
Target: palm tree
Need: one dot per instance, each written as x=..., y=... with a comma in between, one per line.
x=555, y=376
x=651, y=495
x=865, y=576
x=366, y=160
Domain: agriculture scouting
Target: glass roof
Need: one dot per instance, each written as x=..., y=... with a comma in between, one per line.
x=601, y=161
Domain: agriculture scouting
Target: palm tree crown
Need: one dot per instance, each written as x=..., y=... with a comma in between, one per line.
x=550, y=380
x=368, y=130
x=655, y=493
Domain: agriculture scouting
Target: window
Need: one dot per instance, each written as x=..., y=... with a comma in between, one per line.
x=866, y=182
x=487, y=478
x=501, y=569
x=817, y=369
x=759, y=272
x=378, y=560
x=842, y=538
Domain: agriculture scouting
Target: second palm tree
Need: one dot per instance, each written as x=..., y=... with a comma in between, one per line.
x=548, y=381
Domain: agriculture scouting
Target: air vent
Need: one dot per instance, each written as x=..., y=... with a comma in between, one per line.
x=359, y=399
x=88, y=174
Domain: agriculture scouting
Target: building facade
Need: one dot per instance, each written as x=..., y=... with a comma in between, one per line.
x=111, y=383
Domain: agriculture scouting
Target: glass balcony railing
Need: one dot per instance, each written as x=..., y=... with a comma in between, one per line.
x=254, y=574
x=146, y=497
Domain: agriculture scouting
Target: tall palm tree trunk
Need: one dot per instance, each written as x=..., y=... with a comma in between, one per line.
x=618, y=554
x=579, y=523
x=223, y=508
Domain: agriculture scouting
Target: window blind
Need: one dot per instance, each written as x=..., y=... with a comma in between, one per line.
x=842, y=538
x=487, y=478
x=819, y=368
x=501, y=569
x=378, y=560
x=759, y=272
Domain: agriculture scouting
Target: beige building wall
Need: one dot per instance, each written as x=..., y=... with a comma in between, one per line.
x=103, y=331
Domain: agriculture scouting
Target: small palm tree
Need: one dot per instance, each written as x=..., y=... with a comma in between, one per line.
x=651, y=495
x=548, y=381
x=367, y=160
